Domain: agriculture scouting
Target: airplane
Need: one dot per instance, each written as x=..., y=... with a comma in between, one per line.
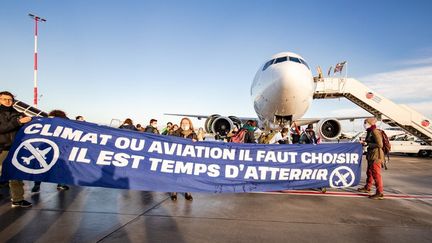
x=282, y=91
x=342, y=179
x=43, y=153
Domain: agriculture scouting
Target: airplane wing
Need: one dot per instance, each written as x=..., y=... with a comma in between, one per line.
x=299, y=122
x=199, y=117
x=306, y=121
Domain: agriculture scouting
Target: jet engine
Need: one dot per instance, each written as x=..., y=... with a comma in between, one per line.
x=221, y=125
x=329, y=129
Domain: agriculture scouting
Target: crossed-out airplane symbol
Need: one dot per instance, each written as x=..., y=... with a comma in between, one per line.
x=39, y=155
x=342, y=178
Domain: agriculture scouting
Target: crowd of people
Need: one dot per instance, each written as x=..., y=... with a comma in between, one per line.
x=11, y=121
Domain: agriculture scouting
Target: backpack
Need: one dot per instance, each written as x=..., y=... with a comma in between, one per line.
x=239, y=136
x=386, y=148
x=386, y=143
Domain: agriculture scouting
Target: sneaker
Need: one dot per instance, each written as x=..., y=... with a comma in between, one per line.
x=62, y=187
x=22, y=204
x=188, y=196
x=378, y=196
x=174, y=196
x=363, y=189
x=35, y=189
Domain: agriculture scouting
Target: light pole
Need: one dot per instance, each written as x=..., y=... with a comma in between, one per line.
x=35, y=89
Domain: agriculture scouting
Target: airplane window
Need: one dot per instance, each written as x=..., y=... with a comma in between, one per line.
x=268, y=64
x=303, y=61
x=281, y=59
x=294, y=59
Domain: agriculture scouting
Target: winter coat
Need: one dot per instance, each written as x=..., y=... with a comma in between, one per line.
x=307, y=138
x=128, y=127
x=9, y=126
x=151, y=129
x=179, y=133
x=375, y=145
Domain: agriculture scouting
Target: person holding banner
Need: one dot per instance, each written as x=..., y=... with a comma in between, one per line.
x=375, y=157
x=186, y=130
x=10, y=122
x=128, y=124
x=60, y=187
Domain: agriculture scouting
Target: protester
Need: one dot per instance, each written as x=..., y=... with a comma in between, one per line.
x=232, y=133
x=186, y=130
x=281, y=137
x=60, y=187
x=173, y=129
x=245, y=135
x=375, y=157
x=308, y=136
x=250, y=127
x=267, y=136
x=295, y=133
x=166, y=130
x=10, y=122
x=152, y=127
x=79, y=118
x=201, y=134
x=128, y=124
x=140, y=128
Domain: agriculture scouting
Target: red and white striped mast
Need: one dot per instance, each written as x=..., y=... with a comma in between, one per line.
x=35, y=90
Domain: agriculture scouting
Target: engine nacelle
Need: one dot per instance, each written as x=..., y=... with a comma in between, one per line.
x=221, y=125
x=329, y=129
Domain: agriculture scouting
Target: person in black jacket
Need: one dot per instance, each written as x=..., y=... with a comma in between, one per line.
x=186, y=130
x=152, y=127
x=308, y=136
x=128, y=124
x=10, y=122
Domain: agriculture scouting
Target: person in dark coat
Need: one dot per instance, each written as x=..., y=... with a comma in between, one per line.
x=375, y=158
x=186, y=130
x=152, y=127
x=308, y=136
x=128, y=124
x=10, y=122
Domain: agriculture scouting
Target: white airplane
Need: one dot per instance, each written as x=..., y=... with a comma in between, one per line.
x=43, y=153
x=282, y=92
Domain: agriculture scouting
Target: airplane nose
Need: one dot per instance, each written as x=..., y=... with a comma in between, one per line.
x=290, y=79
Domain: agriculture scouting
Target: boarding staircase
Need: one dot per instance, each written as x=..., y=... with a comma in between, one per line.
x=28, y=109
x=381, y=107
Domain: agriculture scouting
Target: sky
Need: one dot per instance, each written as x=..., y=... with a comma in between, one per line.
x=140, y=59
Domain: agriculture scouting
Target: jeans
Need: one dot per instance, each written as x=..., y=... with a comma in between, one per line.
x=16, y=187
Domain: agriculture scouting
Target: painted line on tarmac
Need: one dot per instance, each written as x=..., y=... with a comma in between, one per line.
x=351, y=194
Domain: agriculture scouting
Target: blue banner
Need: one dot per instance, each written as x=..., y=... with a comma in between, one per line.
x=80, y=153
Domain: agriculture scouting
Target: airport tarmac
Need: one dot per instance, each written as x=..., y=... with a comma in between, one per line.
x=109, y=215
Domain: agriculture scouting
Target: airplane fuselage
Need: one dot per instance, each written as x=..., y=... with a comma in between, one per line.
x=282, y=89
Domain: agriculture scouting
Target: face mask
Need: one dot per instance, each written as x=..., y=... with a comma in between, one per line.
x=185, y=127
x=366, y=126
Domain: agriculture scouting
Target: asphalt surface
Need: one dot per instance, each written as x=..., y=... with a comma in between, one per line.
x=109, y=215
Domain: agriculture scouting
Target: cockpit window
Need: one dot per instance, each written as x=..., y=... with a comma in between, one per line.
x=303, y=61
x=280, y=59
x=268, y=64
x=284, y=59
x=294, y=59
